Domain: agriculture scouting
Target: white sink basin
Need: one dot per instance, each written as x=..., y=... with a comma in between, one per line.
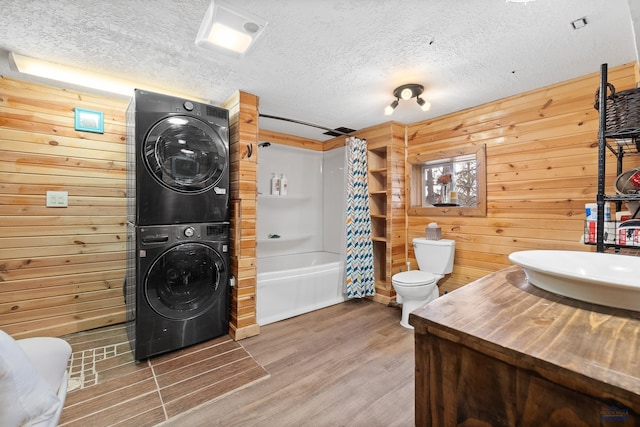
x=600, y=278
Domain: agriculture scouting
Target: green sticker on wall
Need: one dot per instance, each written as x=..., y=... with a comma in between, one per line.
x=89, y=121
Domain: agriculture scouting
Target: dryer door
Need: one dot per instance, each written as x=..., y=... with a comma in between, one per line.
x=185, y=281
x=185, y=154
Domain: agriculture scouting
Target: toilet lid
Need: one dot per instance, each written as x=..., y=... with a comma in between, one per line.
x=413, y=277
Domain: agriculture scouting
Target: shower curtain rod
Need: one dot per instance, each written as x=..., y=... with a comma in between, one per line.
x=303, y=123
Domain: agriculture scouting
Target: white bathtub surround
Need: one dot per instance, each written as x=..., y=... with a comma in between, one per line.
x=360, y=280
x=290, y=285
x=297, y=216
x=303, y=269
x=334, y=201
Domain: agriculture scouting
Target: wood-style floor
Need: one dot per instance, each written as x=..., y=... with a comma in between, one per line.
x=108, y=388
x=351, y=364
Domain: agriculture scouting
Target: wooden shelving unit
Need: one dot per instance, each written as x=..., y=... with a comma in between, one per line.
x=386, y=181
x=378, y=194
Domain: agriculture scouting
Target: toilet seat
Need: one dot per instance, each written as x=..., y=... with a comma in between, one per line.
x=413, y=278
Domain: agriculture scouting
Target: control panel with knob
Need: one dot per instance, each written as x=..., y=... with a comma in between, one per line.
x=189, y=232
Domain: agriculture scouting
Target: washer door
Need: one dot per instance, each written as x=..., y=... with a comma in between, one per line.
x=185, y=154
x=182, y=283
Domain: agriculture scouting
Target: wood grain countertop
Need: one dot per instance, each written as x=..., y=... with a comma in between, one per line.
x=581, y=345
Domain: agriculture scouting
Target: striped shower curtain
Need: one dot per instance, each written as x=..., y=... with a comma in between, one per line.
x=359, y=258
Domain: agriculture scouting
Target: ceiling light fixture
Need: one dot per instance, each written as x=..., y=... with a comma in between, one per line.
x=228, y=30
x=405, y=92
x=78, y=77
x=49, y=70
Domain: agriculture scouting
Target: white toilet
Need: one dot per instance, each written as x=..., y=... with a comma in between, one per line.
x=418, y=287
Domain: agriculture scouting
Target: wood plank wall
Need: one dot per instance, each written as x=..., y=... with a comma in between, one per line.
x=397, y=234
x=293, y=141
x=541, y=170
x=243, y=121
x=61, y=269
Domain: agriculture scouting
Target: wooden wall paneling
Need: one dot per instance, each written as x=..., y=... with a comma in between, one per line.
x=290, y=140
x=541, y=151
x=58, y=263
x=339, y=141
x=61, y=269
x=499, y=114
x=398, y=184
x=243, y=117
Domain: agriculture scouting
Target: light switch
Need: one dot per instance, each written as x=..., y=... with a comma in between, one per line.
x=57, y=199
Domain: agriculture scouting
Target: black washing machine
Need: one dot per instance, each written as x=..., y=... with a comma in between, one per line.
x=179, y=293
x=177, y=161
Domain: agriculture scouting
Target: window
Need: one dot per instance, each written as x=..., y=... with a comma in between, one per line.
x=449, y=182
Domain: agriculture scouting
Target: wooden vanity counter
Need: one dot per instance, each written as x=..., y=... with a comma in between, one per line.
x=501, y=352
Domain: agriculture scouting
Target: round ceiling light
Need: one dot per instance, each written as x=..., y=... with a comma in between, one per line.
x=406, y=94
x=408, y=91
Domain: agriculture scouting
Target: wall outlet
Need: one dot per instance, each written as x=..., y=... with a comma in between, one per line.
x=57, y=199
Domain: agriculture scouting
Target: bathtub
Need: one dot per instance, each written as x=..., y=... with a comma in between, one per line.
x=290, y=285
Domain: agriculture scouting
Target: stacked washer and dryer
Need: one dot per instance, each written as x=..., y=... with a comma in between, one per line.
x=177, y=290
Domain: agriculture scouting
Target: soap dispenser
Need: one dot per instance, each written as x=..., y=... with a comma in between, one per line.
x=275, y=185
x=283, y=185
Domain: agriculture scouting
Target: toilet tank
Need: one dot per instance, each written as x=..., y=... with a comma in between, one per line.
x=434, y=256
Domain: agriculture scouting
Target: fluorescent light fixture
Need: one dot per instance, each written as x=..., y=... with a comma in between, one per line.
x=61, y=73
x=75, y=76
x=228, y=30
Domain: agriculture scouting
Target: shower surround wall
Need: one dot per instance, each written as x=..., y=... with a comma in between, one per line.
x=308, y=220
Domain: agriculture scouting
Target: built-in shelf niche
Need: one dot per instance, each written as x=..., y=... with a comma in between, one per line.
x=377, y=180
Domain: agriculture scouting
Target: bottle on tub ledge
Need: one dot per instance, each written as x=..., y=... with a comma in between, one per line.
x=283, y=185
x=275, y=184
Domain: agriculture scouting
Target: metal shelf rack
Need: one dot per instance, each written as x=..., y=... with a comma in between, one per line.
x=621, y=141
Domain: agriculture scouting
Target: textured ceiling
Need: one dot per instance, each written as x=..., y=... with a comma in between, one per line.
x=333, y=62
